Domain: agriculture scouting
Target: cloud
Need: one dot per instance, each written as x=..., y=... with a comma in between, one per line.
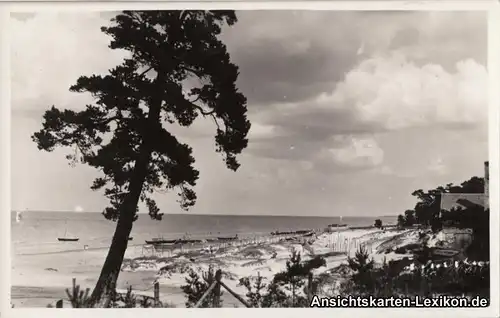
x=332, y=132
x=437, y=38
x=49, y=52
x=437, y=165
x=398, y=94
x=298, y=63
x=378, y=95
x=358, y=153
x=420, y=69
x=22, y=16
x=261, y=131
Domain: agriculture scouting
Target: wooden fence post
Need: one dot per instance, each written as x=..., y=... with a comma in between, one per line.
x=216, y=299
x=309, y=287
x=156, y=294
x=235, y=295
x=200, y=301
x=214, y=284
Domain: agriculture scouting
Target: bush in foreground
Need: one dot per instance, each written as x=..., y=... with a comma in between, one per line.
x=431, y=278
x=197, y=286
x=80, y=299
x=293, y=286
x=288, y=288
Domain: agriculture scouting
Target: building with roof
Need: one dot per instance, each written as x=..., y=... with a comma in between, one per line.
x=468, y=200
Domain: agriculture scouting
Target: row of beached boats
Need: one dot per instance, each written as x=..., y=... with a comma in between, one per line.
x=161, y=241
x=157, y=241
x=299, y=232
x=308, y=232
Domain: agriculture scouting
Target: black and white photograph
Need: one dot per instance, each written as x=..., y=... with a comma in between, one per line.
x=250, y=159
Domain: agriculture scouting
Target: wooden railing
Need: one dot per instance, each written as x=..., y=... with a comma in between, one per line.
x=217, y=283
x=215, y=286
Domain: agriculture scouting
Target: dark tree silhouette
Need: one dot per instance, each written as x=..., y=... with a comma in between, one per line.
x=477, y=218
x=124, y=134
x=401, y=221
x=363, y=266
x=409, y=217
x=428, y=208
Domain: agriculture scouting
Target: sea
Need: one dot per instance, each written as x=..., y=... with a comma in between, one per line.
x=37, y=232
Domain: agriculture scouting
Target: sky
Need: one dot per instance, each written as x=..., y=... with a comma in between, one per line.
x=351, y=111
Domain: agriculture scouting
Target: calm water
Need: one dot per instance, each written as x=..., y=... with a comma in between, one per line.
x=37, y=232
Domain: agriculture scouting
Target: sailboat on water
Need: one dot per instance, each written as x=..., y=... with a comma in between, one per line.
x=67, y=239
x=19, y=216
x=337, y=225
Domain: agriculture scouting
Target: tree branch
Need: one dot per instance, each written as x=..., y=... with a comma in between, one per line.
x=110, y=119
x=206, y=113
x=191, y=70
x=215, y=121
x=202, y=111
x=147, y=70
x=183, y=15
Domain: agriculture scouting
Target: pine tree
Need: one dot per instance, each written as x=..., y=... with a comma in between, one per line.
x=254, y=292
x=292, y=277
x=125, y=135
x=197, y=286
x=363, y=268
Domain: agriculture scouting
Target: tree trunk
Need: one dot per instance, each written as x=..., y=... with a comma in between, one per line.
x=106, y=284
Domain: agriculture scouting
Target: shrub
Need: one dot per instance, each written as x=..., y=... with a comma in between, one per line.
x=196, y=286
x=272, y=294
x=401, y=277
x=254, y=291
x=78, y=298
x=264, y=295
x=363, y=269
x=401, y=221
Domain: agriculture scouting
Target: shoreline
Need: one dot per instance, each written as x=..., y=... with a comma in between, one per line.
x=46, y=276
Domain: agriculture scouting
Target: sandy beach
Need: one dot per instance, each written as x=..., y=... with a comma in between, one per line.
x=40, y=279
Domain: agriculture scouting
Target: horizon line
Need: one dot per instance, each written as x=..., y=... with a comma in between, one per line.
x=216, y=214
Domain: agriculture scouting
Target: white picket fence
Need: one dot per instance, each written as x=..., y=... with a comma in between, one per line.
x=348, y=245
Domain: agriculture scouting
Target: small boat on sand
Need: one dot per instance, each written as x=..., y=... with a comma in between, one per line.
x=231, y=238
x=337, y=225
x=298, y=232
x=67, y=239
x=184, y=241
x=166, y=242
x=157, y=241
